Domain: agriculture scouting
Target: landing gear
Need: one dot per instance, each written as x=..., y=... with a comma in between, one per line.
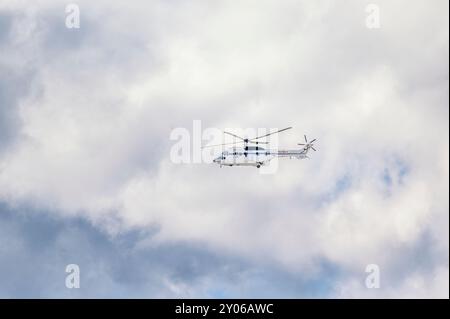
x=258, y=166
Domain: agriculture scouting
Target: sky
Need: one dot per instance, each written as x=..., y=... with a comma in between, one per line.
x=86, y=175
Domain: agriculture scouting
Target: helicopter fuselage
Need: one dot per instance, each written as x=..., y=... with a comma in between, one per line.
x=255, y=156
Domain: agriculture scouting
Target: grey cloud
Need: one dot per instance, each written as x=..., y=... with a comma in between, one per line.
x=37, y=247
x=14, y=85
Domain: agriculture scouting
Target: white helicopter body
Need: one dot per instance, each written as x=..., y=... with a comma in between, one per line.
x=257, y=156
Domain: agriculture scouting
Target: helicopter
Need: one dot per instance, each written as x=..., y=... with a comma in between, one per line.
x=256, y=156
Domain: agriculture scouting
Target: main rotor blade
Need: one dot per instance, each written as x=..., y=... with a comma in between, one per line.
x=313, y=148
x=301, y=144
x=255, y=138
x=306, y=140
x=234, y=135
x=207, y=146
x=313, y=141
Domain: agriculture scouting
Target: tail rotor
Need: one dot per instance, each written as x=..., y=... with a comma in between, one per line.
x=308, y=145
